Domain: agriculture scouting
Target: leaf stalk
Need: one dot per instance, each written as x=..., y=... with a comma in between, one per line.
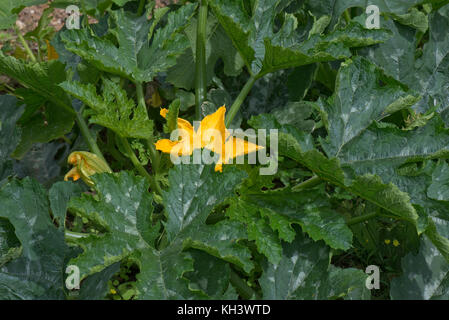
x=154, y=156
x=245, y=291
x=200, y=74
x=25, y=44
x=88, y=137
x=239, y=100
x=132, y=156
x=361, y=219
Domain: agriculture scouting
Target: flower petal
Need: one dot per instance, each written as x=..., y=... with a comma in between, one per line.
x=163, y=112
x=73, y=173
x=236, y=147
x=214, y=121
x=165, y=145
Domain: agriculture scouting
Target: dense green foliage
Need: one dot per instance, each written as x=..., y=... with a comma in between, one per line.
x=363, y=141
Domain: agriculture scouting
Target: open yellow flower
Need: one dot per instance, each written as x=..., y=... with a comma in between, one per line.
x=212, y=133
x=85, y=164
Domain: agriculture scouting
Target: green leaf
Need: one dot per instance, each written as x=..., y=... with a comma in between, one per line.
x=41, y=80
x=358, y=101
x=265, y=50
x=311, y=210
x=300, y=80
x=424, y=73
x=216, y=285
x=43, y=162
x=38, y=272
x=369, y=187
x=266, y=239
x=8, y=239
x=426, y=274
x=95, y=287
x=172, y=116
x=59, y=195
x=113, y=109
x=123, y=203
x=305, y=273
x=134, y=58
x=296, y=129
x=413, y=18
x=221, y=240
x=366, y=148
x=162, y=275
x=9, y=132
x=194, y=191
x=52, y=123
x=439, y=189
x=122, y=208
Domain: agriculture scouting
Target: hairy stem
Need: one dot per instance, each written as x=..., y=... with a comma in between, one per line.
x=200, y=74
x=70, y=235
x=362, y=218
x=154, y=156
x=88, y=137
x=310, y=183
x=85, y=17
x=347, y=15
x=25, y=44
x=238, y=102
x=132, y=156
x=245, y=291
x=141, y=7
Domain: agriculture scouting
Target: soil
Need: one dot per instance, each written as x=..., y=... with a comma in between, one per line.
x=28, y=20
x=29, y=17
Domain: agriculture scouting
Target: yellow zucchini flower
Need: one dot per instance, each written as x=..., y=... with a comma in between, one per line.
x=212, y=133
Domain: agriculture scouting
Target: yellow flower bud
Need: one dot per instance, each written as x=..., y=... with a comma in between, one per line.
x=85, y=165
x=396, y=243
x=387, y=241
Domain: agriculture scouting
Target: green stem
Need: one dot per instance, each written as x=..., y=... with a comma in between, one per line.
x=25, y=44
x=85, y=17
x=131, y=155
x=200, y=74
x=362, y=218
x=141, y=7
x=88, y=137
x=245, y=291
x=347, y=15
x=154, y=156
x=310, y=183
x=9, y=87
x=238, y=102
x=71, y=235
x=140, y=94
x=110, y=145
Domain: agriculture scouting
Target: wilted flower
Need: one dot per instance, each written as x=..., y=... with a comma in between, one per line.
x=85, y=164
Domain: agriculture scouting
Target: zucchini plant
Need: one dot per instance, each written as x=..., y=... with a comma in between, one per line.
x=225, y=149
